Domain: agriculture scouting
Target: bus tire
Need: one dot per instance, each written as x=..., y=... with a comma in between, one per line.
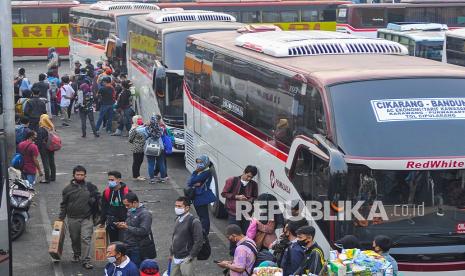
x=217, y=207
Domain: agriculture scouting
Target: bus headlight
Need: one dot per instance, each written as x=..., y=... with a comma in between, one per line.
x=178, y=133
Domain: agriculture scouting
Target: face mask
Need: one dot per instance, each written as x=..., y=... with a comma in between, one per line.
x=244, y=183
x=133, y=209
x=302, y=242
x=179, y=211
x=112, y=184
x=111, y=259
x=200, y=166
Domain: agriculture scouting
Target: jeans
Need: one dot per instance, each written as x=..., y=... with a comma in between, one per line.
x=84, y=115
x=157, y=166
x=80, y=232
x=105, y=110
x=134, y=255
x=126, y=119
x=202, y=212
x=151, y=162
x=243, y=224
x=30, y=177
x=137, y=159
x=54, y=106
x=48, y=161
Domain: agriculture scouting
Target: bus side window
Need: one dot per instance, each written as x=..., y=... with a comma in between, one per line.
x=270, y=17
x=372, y=17
x=289, y=16
x=309, y=15
x=396, y=15
x=311, y=115
x=250, y=16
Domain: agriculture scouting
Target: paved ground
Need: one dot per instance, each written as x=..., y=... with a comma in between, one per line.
x=99, y=155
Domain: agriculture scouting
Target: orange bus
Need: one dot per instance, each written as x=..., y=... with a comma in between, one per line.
x=288, y=15
x=39, y=25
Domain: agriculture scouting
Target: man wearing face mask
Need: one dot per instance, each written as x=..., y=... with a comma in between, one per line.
x=313, y=260
x=294, y=253
x=80, y=205
x=187, y=239
x=118, y=263
x=240, y=188
x=113, y=209
x=137, y=229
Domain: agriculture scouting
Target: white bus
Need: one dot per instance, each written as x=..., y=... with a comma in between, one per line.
x=98, y=31
x=156, y=49
x=424, y=40
x=327, y=117
x=454, y=47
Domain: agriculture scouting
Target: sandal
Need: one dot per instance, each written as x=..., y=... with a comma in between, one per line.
x=87, y=265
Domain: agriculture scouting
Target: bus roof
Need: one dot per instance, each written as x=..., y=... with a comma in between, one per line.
x=332, y=69
x=44, y=4
x=417, y=35
x=141, y=20
x=459, y=33
x=108, y=13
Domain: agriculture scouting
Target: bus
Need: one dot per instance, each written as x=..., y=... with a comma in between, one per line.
x=99, y=31
x=6, y=262
x=327, y=125
x=39, y=25
x=366, y=19
x=422, y=40
x=454, y=47
x=156, y=49
x=287, y=15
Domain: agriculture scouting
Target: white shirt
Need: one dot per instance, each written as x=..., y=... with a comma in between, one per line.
x=67, y=91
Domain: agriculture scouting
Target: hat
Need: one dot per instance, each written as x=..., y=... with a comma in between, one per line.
x=77, y=62
x=149, y=268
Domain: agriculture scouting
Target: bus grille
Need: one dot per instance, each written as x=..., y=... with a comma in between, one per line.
x=375, y=47
x=189, y=16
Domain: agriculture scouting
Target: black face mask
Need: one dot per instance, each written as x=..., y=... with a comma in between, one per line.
x=302, y=243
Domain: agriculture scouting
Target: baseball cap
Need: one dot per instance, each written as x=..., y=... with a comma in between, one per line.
x=149, y=268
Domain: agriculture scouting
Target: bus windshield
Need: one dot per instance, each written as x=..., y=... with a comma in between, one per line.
x=400, y=117
x=429, y=49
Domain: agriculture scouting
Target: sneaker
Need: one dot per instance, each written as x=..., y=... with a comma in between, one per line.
x=76, y=259
x=162, y=180
x=140, y=178
x=116, y=133
x=153, y=181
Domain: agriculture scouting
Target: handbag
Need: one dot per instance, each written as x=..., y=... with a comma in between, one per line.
x=189, y=193
x=152, y=147
x=147, y=248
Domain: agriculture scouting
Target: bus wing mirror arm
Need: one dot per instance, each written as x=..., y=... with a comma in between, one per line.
x=337, y=163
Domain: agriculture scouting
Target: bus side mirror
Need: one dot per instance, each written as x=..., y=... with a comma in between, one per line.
x=337, y=164
x=309, y=144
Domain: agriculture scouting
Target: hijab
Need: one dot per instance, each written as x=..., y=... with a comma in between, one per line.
x=45, y=122
x=137, y=121
x=154, y=129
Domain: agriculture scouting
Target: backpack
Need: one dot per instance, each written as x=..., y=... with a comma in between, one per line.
x=253, y=248
x=206, y=249
x=17, y=84
x=53, y=141
x=106, y=192
x=17, y=161
x=152, y=147
x=20, y=133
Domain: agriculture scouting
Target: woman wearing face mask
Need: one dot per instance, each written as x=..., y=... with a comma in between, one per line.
x=137, y=141
x=200, y=180
x=154, y=131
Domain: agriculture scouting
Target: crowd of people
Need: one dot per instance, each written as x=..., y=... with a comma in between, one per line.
x=128, y=223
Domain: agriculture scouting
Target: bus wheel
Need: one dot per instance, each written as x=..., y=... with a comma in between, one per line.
x=217, y=207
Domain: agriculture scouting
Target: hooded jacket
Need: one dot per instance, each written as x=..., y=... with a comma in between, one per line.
x=80, y=200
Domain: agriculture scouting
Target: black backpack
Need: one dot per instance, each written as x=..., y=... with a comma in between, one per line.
x=206, y=249
x=17, y=84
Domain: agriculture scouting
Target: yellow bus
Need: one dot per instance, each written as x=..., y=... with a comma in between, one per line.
x=39, y=25
x=288, y=15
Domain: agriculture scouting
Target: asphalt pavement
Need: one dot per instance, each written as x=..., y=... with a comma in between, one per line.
x=100, y=155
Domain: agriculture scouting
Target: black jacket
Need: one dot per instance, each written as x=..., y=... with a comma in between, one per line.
x=313, y=261
x=139, y=226
x=113, y=206
x=79, y=200
x=34, y=108
x=42, y=87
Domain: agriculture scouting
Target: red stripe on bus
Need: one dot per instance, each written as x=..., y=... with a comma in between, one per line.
x=446, y=266
x=236, y=128
x=87, y=43
x=355, y=29
x=22, y=52
x=140, y=69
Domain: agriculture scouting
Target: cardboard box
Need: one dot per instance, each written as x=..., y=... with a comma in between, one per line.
x=58, y=237
x=100, y=244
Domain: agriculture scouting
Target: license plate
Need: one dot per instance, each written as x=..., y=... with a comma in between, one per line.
x=21, y=193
